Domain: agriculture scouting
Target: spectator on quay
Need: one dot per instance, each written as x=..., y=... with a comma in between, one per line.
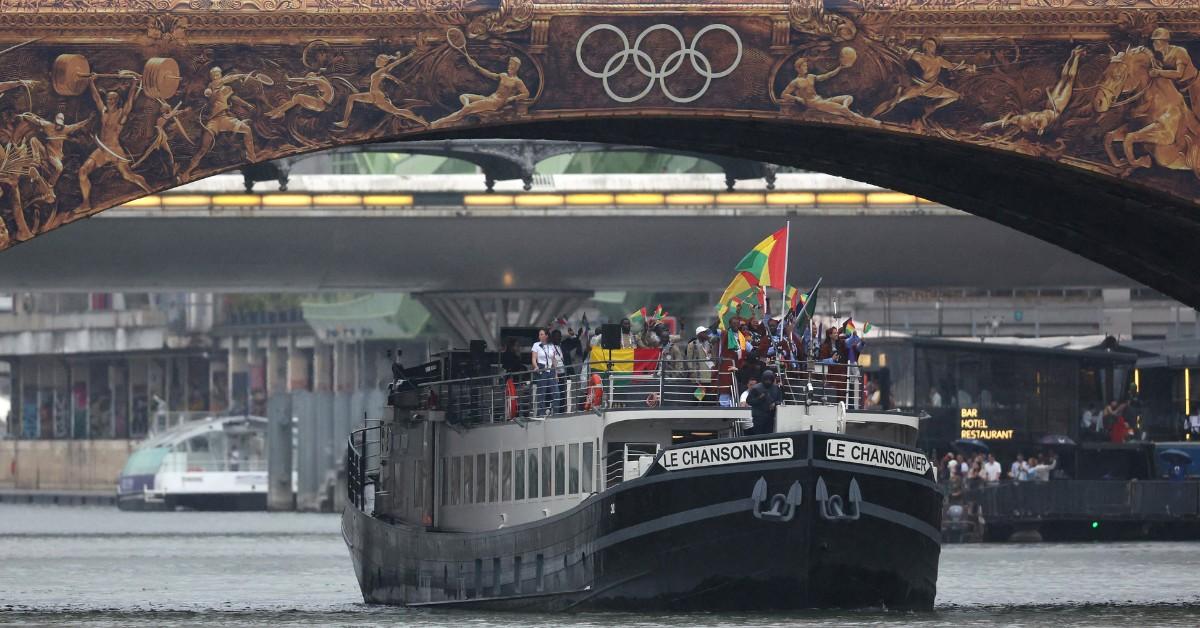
x=764, y=399
x=1027, y=470
x=1120, y=430
x=1090, y=420
x=935, y=397
x=991, y=470
x=1014, y=471
x=975, y=475
x=1109, y=415
x=546, y=361
x=1041, y=472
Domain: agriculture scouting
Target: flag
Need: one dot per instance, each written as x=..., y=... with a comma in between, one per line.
x=810, y=304
x=637, y=319
x=767, y=261
x=848, y=327
x=742, y=282
x=795, y=298
x=659, y=312
x=698, y=393
x=625, y=360
x=866, y=328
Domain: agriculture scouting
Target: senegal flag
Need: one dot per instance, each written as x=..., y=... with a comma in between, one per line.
x=767, y=262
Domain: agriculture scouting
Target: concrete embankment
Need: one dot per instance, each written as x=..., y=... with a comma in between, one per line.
x=63, y=466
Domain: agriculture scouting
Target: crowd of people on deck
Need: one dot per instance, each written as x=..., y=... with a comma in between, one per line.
x=706, y=368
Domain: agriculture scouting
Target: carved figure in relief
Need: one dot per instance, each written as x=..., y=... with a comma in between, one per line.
x=167, y=115
x=1058, y=97
x=375, y=95
x=113, y=117
x=7, y=85
x=315, y=103
x=927, y=85
x=17, y=162
x=49, y=150
x=220, y=117
x=510, y=90
x=1156, y=112
x=802, y=90
x=1176, y=64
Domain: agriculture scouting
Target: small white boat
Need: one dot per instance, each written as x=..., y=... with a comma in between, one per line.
x=215, y=463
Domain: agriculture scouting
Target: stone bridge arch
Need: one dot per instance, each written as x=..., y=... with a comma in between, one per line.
x=1071, y=120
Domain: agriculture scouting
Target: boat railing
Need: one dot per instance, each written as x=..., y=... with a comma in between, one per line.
x=364, y=449
x=629, y=462
x=191, y=464
x=636, y=384
x=822, y=384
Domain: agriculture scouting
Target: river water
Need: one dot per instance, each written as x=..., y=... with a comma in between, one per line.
x=103, y=567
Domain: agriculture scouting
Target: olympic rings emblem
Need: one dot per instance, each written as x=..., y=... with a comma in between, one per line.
x=649, y=69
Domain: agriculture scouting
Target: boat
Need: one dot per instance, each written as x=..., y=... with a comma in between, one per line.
x=213, y=463
x=633, y=491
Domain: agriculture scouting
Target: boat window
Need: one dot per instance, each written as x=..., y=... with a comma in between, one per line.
x=588, y=464
x=468, y=483
x=533, y=473
x=480, y=478
x=493, y=476
x=506, y=476
x=496, y=577
x=519, y=492
x=442, y=472
x=573, y=468
x=547, y=469
x=478, y=577
x=560, y=469
x=455, y=479
x=145, y=461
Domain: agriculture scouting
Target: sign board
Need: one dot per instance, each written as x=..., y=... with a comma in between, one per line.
x=972, y=426
x=877, y=456
x=727, y=453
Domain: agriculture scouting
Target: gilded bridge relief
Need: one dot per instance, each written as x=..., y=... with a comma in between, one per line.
x=86, y=126
x=117, y=132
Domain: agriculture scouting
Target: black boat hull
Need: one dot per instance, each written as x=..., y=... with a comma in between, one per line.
x=705, y=539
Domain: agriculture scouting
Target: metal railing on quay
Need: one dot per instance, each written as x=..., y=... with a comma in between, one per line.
x=1087, y=499
x=616, y=384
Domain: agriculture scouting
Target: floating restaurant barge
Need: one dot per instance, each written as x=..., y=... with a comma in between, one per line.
x=651, y=500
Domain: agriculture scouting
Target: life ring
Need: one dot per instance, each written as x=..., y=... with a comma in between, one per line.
x=595, y=393
x=510, y=394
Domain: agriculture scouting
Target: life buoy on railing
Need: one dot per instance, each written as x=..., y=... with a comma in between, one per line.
x=510, y=396
x=595, y=395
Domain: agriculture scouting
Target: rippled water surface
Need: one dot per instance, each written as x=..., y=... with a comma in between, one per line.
x=102, y=567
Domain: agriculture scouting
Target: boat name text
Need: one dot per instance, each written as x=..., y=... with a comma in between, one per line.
x=727, y=453
x=877, y=456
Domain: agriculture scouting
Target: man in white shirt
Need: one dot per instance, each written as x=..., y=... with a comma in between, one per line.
x=1014, y=472
x=991, y=470
x=546, y=360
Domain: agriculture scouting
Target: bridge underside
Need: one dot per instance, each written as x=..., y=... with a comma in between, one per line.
x=1074, y=124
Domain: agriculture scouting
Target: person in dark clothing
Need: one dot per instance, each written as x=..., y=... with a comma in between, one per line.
x=764, y=399
x=572, y=350
x=510, y=359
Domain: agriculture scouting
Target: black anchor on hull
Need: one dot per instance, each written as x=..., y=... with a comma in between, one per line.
x=833, y=507
x=782, y=507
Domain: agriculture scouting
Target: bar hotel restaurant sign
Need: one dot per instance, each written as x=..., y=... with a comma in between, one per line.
x=971, y=425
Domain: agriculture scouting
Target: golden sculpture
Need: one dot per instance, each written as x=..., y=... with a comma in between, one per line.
x=162, y=136
x=802, y=91
x=49, y=150
x=1057, y=99
x=927, y=85
x=1176, y=65
x=384, y=64
x=108, y=151
x=510, y=89
x=316, y=104
x=220, y=117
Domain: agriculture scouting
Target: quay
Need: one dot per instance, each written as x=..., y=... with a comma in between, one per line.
x=58, y=497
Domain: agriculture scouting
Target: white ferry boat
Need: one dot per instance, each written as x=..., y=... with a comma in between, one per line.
x=215, y=463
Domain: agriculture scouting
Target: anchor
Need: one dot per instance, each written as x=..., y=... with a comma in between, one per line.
x=782, y=507
x=834, y=508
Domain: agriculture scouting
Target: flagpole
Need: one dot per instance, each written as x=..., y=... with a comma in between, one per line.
x=787, y=238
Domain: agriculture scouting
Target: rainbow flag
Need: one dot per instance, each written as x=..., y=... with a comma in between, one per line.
x=767, y=261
